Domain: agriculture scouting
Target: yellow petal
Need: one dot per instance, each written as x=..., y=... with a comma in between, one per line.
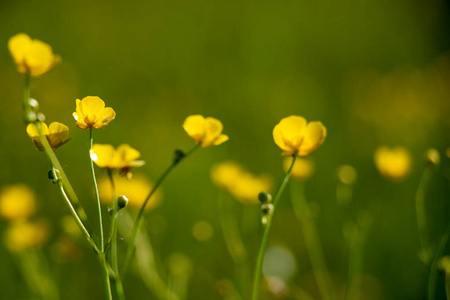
x=221, y=139
x=40, y=58
x=125, y=154
x=315, y=134
x=195, y=127
x=34, y=134
x=289, y=134
x=102, y=155
x=91, y=108
x=105, y=116
x=57, y=134
x=213, y=129
x=18, y=46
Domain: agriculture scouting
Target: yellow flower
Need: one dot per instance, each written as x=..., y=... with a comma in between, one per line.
x=123, y=158
x=347, y=174
x=393, y=163
x=224, y=174
x=303, y=168
x=295, y=136
x=206, y=132
x=17, y=202
x=32, y=57
x=136, y=190
x=91, y=112
x=241, y=184
x=56, y=134
x=25, y=235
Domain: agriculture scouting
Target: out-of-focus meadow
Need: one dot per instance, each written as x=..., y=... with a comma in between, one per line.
x=374, y=72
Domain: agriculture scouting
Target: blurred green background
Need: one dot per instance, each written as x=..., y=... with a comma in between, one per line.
x=374, y=72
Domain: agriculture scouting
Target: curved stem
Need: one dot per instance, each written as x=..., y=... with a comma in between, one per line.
x=434, y=264
x=421, y=213
x=312, y=242
x=97, y=197
x=105, y=273
x=113, y=240
x=63, y=182
x=265, y=238
x=137, y=224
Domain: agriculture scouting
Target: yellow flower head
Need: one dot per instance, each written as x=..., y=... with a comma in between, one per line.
x=347, y=174
x=32, y=57
x=224, y=174
x=295, y=136
x=123, y=158
x=17, y=202
x=206, y=132
x=393, y=163
x=241, y=184
x=56, y=134
x=25, y=235
x=91, y=112
x=302, y=170
x=136, y=190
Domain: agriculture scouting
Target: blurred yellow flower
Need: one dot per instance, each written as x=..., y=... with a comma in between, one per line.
x=393, y=163
x=56, y=134
x=25, y=235
x=241, y=184
x=32, y=57
x=347, y=174
x=123, y=158
x=136, y=190
x=206, y=132
x=91, y=112
x=297, y=137
x=303, y=168
x=17, y=202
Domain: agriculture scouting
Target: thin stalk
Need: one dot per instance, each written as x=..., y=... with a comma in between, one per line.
x=63, y=182
x=312, y=241
x=234, y=243
x=434, y=265
x=113, y=241
x=137, y=224
x=421, y=212
x=105, y=274
x=97, y=196
x=265, y=238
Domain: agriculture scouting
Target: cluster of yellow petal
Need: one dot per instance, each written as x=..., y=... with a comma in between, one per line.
x=24, y=235
x=32, y=57
x=136, y=190
x=302, y=170
x=123, y=158
x=56, y=134
x=393, y=163
x=206, y=132
x=17, y=202
x=91, y=112
x=297, y=137
x=241, y=184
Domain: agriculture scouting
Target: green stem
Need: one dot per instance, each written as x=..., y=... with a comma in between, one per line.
x=105, y=274
x=113, y=241
x=421, y=213
x=97, y=196
x=137, y=224
x=265, y=238
x=312, y=242
x=63, y=182
x=434, y=264
x=233, y=242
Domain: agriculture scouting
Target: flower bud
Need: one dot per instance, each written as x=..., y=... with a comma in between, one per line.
x=265, y=197
x=40, y=117
x=179, y=155
x=34, y=104
x=267, y=209
x=30, y=117
x=122, y=201
x=432, y=157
